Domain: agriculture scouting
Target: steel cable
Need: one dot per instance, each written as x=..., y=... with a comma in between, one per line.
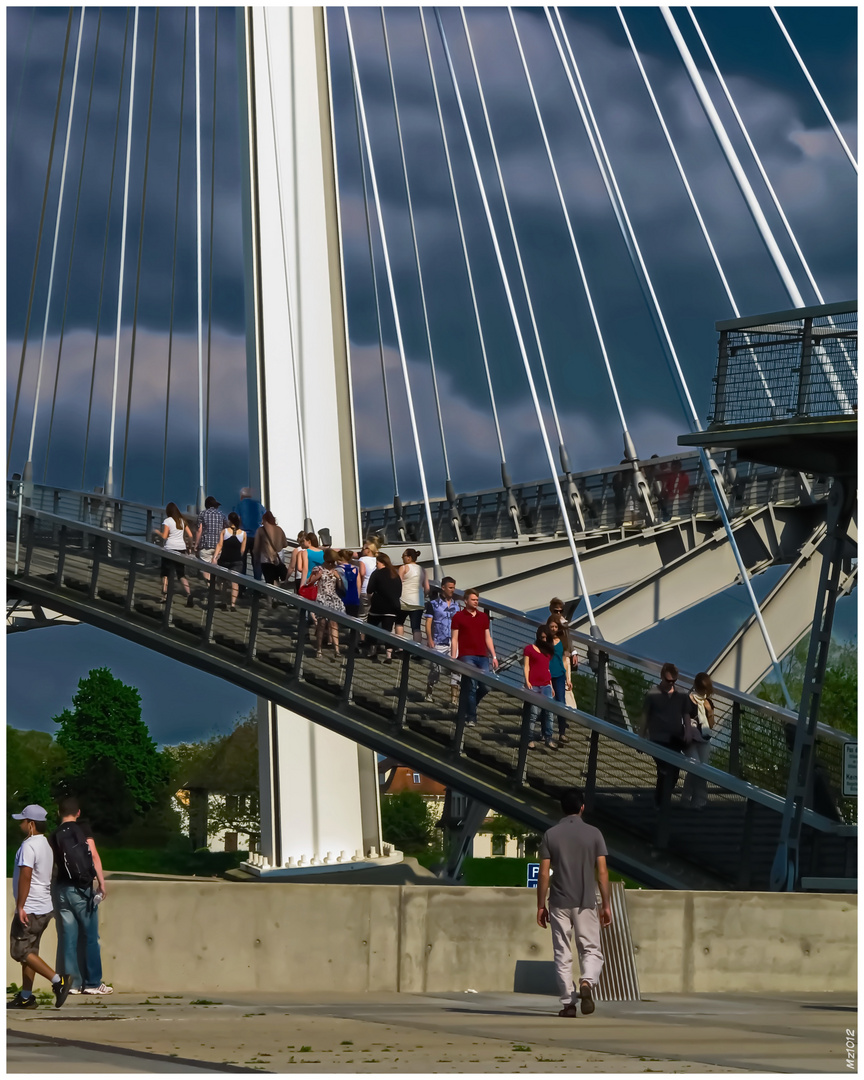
x=105, y=251
x=140, y=256
x=72, y=248
x=486, y=368
x=361, y=151
x=174, y=251
x=416, y=248
x=512, y=307
x=629, y=235
x=54, y=246
x=39, y=240
x=392, y=286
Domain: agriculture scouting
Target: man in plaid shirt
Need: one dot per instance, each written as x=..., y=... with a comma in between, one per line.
x=437, y=619
x=211, y=522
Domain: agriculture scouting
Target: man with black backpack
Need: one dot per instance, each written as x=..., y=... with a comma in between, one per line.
x=76, y=903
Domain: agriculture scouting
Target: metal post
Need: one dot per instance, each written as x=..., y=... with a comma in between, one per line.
x=212, y=586
x=735, y=741
x=253, y=625
x=130, y=583
x=806, y=371
x=785, y=870
x=719, y=416
x=350, y=663
x=61, y=556
x=402, y=699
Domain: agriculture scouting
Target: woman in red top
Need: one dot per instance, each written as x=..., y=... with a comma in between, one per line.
x=537, y=678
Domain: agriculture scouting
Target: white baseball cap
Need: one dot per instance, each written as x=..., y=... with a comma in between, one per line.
x=33, y=812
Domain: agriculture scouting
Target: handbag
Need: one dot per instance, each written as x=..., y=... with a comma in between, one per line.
x=570, y=699
x=308, y=592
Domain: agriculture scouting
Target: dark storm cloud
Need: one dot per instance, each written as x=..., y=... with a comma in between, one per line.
x=813, y=180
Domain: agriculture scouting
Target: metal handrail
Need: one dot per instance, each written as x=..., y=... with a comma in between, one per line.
x=729, y=783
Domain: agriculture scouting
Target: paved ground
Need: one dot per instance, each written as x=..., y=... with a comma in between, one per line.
x=380, y=1033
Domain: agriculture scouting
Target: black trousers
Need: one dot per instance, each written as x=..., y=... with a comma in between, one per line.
x=667, y=774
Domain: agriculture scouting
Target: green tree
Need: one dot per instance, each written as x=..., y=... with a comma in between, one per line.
x=407, y=822
x=34, y=767
x=839, y=705
x=111, y=758
x=223, y=765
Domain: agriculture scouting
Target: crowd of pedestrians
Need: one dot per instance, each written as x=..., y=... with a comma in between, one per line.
x=367, y=586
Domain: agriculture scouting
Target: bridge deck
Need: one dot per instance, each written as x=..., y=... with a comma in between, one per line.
x=114, y=582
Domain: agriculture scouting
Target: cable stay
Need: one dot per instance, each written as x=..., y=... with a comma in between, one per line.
x=629, y=448
x=292, y=338
x=72, y=249
x=392, y=287
x=210, y=250
x=712, y=474
x=39, y=240
x=815, y=90
x=27, y=476
x=140, y=256
x=507, y=483
x=703, y=227
x=105, y=258
x=109, y=480
x=200, y=499
x=510, y=302
x=174, y=254
x=416, y=253
x=562, y=451
x=397, y=501
x=830, y=375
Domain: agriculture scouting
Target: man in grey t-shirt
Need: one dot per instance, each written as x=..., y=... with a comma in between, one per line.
x=575, y=852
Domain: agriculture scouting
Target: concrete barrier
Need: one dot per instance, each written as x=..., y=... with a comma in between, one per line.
x=210, y=936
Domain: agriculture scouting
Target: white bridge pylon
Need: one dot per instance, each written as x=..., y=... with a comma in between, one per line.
x=319, y=791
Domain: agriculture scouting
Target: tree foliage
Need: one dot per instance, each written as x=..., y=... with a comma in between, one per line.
x=34, y=766
x=112, y=763
x=407, y=822
x=839, y=705
x=224, y=765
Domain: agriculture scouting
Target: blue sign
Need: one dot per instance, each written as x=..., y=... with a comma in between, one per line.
x=533, y=875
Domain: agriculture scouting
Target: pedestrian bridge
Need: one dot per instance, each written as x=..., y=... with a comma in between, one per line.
x=83, y=555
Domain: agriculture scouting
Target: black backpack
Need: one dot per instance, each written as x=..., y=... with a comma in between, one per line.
x=74, y=853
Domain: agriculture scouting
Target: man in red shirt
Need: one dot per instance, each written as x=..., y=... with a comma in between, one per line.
x=471, y=642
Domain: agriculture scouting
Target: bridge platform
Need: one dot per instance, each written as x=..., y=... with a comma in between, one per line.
x=434, y=1033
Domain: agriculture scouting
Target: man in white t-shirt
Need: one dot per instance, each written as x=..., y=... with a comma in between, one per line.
x=31, y=887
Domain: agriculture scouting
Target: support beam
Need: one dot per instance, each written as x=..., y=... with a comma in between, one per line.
x=318, y=789
x=788, y=613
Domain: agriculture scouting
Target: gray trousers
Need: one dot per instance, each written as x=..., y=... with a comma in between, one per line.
x=585, y=924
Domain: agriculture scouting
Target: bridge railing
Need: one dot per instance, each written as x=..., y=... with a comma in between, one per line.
x=752, y=738
x=792, y=364
x=609, y=501
x=267, y=646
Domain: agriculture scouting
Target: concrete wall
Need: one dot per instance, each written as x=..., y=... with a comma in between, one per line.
x=211, y=936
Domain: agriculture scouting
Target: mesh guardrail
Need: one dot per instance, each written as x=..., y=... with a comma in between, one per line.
x=782, y=368
x=267, y=644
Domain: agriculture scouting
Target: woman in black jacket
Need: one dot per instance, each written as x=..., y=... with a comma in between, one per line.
x=385, y=593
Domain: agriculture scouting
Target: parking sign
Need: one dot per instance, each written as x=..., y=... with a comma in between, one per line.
x=533, y=875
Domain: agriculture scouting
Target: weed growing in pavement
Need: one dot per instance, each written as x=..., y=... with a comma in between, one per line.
x=204, y=1001
x=518, y=1048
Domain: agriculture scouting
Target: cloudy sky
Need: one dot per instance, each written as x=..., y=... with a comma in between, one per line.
x=812, y=177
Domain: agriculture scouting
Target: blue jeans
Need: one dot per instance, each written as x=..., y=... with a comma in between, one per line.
x=559, y=687
x=472, y=692
x=529, y=713
x=78, y=935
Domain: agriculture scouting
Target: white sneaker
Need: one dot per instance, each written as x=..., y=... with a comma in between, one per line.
x=75, y=990
x=102, y=989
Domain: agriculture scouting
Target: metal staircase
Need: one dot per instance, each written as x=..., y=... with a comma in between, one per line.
x=88, y=557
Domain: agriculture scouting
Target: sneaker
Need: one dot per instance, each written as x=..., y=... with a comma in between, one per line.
x=61, y=990
x=568, y=1010
x=586, y=1001
x=76, y=990
x=427, y=697
x=100, y=989
x=19, y=1002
